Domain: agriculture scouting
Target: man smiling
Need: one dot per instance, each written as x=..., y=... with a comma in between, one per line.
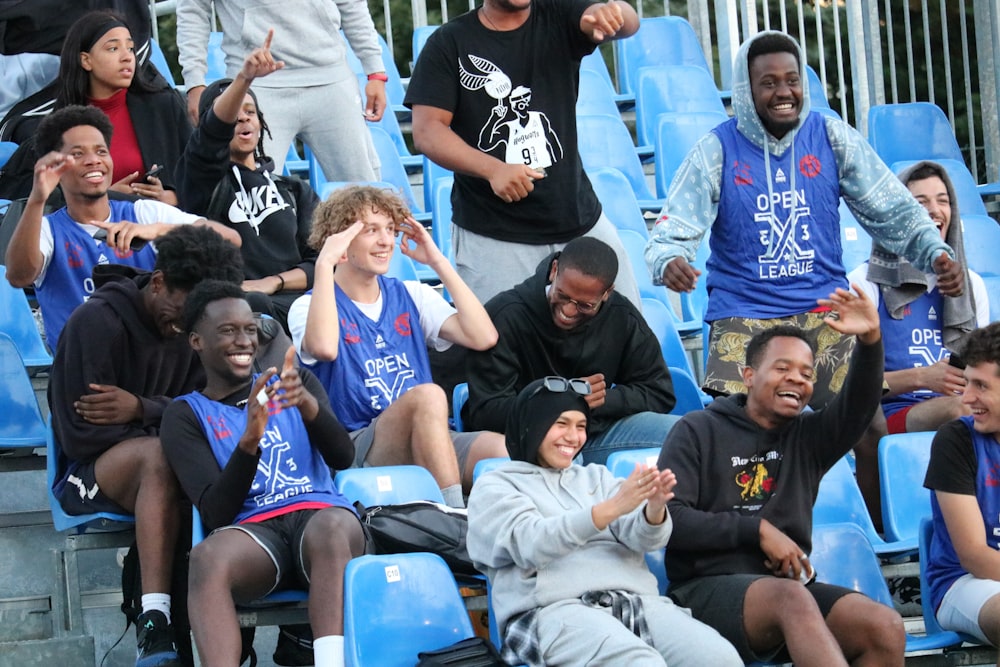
x=117, y=366
x=569, y=320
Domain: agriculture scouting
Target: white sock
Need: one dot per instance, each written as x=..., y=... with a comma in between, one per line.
x=329, y=651
x=453, y=495
x=158, y=602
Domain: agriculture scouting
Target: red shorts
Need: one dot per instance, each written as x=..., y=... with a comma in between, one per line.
x=896, y=422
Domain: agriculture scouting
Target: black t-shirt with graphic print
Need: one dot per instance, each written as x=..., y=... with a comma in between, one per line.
x=513, y=95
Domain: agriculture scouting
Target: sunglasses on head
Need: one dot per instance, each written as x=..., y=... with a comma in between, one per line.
x=559, y=385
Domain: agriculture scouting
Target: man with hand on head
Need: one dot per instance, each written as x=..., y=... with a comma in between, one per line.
x=752, y=465
x=57, y=253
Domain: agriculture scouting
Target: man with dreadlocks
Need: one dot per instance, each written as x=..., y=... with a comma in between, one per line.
x=271, y=213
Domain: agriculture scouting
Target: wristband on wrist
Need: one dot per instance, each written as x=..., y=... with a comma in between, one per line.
x=378, y=76
x=281, y=287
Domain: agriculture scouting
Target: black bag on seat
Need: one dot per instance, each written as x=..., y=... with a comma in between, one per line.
x=472, y=652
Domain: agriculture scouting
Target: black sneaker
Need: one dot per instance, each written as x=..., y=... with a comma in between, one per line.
x=294, y=647
x=156, y=641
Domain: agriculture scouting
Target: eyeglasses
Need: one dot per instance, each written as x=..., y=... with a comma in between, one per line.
x=559, y=385
x=581, y=306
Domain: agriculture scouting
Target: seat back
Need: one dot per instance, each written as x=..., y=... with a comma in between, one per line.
x=441, y=217
x=390, y=125
x=594, y=62
x=817, y=92
x=21, y=423
x=81, y=523
x=398, y=605
x=686, y=392
x=635, y=247
x=216, y=58
x=622, y=462
x=855, y=242
x=387, y=485
x=891, y=128
x=674, y=135
x=394, y=92
x=661, y=40
x=160, y=62
x=982, y=245
x=18, y=322
x=931, y=625
x=842, y=555
x=672, y=89
x=966, y=190
x=484, y=466
x=459, y=397
x=617, y=199
x=840, y=501
x=661, y=322
x=606, y=142
x=902, y=464
x=420, y=35
x=393, y=170
x=596, y=96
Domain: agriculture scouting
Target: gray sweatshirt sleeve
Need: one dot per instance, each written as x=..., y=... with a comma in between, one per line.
x=356, y=22
x=194, y=23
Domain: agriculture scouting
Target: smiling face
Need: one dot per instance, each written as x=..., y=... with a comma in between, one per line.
x=574, y=297
x=782, y=384
x=371, y=250
x=226, y=340
x=246, y=134
x=111, y=63
x=982, y=397
x=932, y=194
x=165, y=305
x=90, y=175
x=776, y=87
x=563, y=441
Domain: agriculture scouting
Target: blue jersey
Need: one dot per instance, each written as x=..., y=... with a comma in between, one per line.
x=75, y=253
x=290, y=470
x=776, y=239
x=944, y=567
x=377, y=361
x=915, y=340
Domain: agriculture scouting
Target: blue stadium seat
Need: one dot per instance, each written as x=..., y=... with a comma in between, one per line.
x=694, y=304
x=398, y=605
x=484, y=466
x=891, y=128
x=622, y=462
x=21, y=423
x=394, y=172
x=387, y=485
x=817, y=93
x=459, y=397
x=216, y=58
x=402, y=267
x=596, y=95
x=635, y=246
x=101, y=522
x=617, y=199
x=687, y=393
x=662, y=40
x=394, y=92
x=982, y=245
x=674, y=136
x=970, y=202
x=931, y=625
x=661, y=321
x=839, y=501
x=295, y=164
x=390, y=125
x=441, y=217
x=655, y=563
x=160, y=62
x=842, y=555
x=902, y=464
x=855, y=243
x=327, y=188
x=595, y=63
x=993, y=289
x=672, y=89
x=420, y=35
x=19, y=323
x=604, y=141
x=7, y=149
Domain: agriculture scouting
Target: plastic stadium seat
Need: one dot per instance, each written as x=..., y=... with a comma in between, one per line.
x=216, y=58
x=674, y=135
x=839, y=501
x=19, y=323
x=689, y=397
x=7, y=149
x=891, y=130
x=484, y=466
x=327, y=188
x=387, y=485
x=402, y=267
x=902, y=464
x=604, y=141
x=441, y=217
x=671, y=89
x=160, y=62
x=621, y=463
x=295, y=164
x=432, y=172
x=663, y=40
x=390, y=125
x=855, y=243
x=104, y=522
x=966, y=190
x=993, y=289
x=982, y=246
x=459, y=397
x=21, y=423
x=420, y=35
x=596, y=96
x=842, y=556
x=660, y=320
x=635, y=246
x=616, y=197
x=394, y=92
x=393, y=170
x=398, y=605
x=931, y=625
x=817, y=93
x=655, y=563
x=595, y=63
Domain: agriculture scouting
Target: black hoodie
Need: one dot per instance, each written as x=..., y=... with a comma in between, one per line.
x=616, y=342
x=112, y=339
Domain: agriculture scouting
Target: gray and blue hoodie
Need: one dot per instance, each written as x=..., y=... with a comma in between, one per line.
x=772, y=206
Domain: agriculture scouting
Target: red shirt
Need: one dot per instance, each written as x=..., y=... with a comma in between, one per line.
x=124, y=147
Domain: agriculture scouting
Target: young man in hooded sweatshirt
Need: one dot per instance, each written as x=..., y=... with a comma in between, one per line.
x=751, y=466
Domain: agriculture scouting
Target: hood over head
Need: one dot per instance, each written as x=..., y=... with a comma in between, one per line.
x=534, y=412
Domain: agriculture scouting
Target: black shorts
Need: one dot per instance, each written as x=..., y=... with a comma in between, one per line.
x=79, y=493
x=718, y=601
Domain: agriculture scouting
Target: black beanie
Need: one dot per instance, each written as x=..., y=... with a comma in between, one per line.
x=535, y=411
x=213, y=90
